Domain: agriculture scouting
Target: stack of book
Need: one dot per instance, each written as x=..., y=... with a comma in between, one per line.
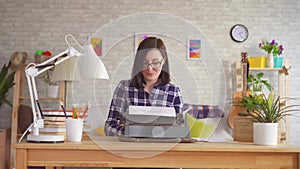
x=56, y=118
x=55, y=122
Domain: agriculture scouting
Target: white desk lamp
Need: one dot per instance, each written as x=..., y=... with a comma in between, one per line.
x=95, y=67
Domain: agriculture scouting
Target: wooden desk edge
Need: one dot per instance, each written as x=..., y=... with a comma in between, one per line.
x=26, y=152
x=109, y=143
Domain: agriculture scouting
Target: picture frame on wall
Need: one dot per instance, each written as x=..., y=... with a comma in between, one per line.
x=98, y=45
x=140, y=36
x=194, y=48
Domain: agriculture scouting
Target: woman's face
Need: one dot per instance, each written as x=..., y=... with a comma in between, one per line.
x=152, y=65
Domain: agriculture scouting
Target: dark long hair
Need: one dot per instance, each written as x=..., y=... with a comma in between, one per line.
x=145, y=46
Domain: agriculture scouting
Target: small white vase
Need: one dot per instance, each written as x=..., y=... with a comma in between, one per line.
x=270, y=60
x=265, y=133
x=52, y=91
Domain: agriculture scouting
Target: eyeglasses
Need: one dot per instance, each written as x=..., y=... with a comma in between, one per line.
x=154, y=65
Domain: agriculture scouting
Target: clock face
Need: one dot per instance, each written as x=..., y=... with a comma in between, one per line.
x=239, y=33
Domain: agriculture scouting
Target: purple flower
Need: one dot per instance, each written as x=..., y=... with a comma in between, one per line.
x=281, y=48
x=272, y=43
x=271, y=47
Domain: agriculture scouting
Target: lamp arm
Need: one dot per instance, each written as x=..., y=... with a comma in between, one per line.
x=31, y=71
x=38, y=121
x=71, y=36
x=46, y=65
x=32, y=97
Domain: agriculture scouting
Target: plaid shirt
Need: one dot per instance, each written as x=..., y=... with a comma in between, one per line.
x=124, y=95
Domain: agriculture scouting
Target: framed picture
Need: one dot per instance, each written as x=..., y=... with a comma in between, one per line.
x=139, y=37
x=97, y=44
x=194, y=49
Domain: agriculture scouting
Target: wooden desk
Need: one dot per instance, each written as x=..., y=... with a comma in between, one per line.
x=109, y=152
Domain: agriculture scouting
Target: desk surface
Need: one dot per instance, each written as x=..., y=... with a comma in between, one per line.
x=112, y=143
x=109, y=152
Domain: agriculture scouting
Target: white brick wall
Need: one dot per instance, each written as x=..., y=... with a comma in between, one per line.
x=41, y=24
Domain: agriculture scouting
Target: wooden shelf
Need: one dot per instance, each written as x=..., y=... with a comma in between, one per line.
x=283, y=91
x=266, y=69
x=40, y=98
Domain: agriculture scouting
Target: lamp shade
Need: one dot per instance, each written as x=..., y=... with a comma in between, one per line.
x=66, y=71
x=93, y=65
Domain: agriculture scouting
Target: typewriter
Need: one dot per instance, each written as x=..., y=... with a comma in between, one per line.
x=150, y=122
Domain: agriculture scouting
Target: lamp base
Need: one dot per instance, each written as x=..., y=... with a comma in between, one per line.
x=45, y=138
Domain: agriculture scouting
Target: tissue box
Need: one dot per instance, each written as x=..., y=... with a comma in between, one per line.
x=257, y=62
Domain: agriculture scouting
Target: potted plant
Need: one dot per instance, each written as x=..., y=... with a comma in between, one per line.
x=266, y=112
x=255, y=86
x=255, y=83
x=52, y=87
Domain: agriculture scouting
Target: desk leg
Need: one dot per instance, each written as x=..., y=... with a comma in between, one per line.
x=21, y=158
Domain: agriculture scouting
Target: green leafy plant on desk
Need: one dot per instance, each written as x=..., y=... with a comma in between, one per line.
x=267, y=108
x=261, y=107
x=266, y=111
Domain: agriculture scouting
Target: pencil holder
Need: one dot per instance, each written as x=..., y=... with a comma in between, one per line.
x=74, y=128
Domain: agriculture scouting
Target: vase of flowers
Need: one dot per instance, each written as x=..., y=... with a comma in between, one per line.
x=273, y=49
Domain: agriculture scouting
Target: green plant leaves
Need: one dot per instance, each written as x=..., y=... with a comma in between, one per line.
x=6, y=82
x=46, y=78
x=255, y=83
x=267, y=109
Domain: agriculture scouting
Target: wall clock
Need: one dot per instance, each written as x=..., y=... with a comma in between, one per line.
x=239, y=33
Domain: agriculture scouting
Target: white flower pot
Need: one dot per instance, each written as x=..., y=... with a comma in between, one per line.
x=258, y=93
x=265, y=133
x=52, y=91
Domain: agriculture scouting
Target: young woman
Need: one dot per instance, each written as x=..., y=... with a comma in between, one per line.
x=149, y=85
